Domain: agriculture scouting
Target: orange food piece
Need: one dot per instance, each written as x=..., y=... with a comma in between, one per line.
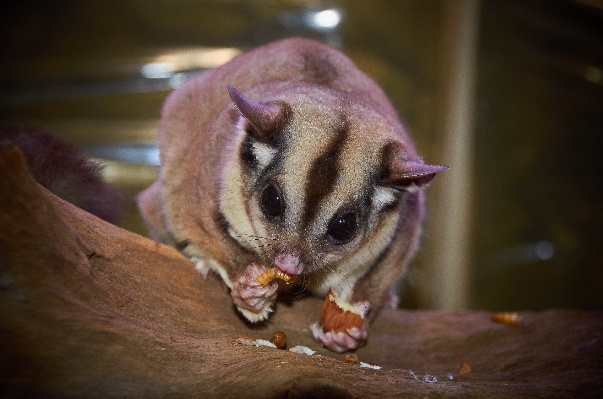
x=465, y=368
x=508, y=318
x=337, y=316
x=245, y=341
x=351, y=358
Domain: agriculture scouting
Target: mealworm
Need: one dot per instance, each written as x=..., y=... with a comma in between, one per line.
x=508, y=318
x=271, y=274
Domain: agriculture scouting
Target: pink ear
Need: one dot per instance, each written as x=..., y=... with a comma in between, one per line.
x=263, y=117
x=404, y=173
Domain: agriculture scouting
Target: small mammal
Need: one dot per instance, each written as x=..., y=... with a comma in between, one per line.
x=66, y=171
x=289, y=156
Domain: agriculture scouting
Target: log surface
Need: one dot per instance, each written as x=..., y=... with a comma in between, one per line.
x=90, y=310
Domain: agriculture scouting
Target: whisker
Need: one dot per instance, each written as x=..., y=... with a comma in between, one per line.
x=301, y=287
x=327, y=269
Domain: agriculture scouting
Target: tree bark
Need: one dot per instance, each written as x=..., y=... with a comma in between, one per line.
x=90, y=310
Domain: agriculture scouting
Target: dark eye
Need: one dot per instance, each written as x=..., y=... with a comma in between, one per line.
x=343, y=228
x=271, y=202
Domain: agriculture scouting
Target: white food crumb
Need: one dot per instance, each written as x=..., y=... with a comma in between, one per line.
x=430, y=378
x=369, y=366
x=263, y=342
x=303, y=350
x=201, y=266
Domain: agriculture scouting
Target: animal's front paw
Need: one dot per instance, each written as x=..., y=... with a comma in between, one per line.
x=342, y=325
x=342, y=341
x=253, y=299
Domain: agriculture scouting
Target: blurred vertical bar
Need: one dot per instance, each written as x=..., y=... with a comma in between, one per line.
x=453, y=199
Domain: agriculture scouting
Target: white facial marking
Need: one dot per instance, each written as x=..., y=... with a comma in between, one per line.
x=412, y=188
x=263, y=153
x=232, y=200
x=382, y=197
x=204, y=264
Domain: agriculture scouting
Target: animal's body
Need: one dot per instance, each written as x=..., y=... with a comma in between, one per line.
x=66, y=171
x=289, y=156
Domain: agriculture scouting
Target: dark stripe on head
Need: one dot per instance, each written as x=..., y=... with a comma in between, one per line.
x=181, y=245
x=246, y=153
x=275, y=167
x=389, y=152
x=323, y=173
x=318, y=69
x=275, y=138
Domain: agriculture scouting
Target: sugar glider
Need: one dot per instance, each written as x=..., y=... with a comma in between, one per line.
x=290, y=157
x=66, y=171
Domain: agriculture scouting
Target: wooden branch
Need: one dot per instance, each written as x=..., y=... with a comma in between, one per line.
x=90, y=310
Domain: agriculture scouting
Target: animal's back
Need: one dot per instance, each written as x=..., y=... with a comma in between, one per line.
x=290, y=60
x=66, y=171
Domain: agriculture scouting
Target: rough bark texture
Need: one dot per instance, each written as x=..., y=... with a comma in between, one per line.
x=90, y=310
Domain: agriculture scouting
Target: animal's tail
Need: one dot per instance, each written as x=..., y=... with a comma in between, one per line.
x=66, y=171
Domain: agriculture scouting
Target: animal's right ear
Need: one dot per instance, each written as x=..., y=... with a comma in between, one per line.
x=402, y=173
x=409, y=174
x=266, y=119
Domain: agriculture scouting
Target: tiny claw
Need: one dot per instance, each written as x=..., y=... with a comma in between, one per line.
x=358, y=334
x=342, y=341
x=253, y=299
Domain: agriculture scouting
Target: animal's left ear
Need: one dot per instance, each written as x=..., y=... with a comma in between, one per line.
x=406, y=175
x=266, y=119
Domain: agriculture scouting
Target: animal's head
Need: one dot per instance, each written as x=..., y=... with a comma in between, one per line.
x=317, y=178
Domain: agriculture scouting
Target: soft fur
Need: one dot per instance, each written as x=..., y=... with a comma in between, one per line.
x=300, y=116
x=66, y=171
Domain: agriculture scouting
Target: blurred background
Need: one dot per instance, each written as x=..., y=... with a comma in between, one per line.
x=508, y=93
